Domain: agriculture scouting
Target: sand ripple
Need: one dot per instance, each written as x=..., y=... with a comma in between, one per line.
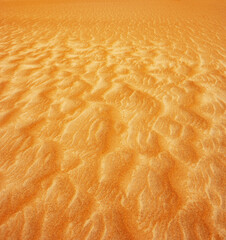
x=112, y=122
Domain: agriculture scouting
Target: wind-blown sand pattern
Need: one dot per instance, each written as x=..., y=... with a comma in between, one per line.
x=112, y=120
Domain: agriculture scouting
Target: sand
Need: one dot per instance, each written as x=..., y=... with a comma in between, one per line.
x=112, y=120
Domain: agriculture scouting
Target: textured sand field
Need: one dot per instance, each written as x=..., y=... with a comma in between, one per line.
x=112, y=120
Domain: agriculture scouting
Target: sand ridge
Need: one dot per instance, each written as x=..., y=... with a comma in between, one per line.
x=112, y=121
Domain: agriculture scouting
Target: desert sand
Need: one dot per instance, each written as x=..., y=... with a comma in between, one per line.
x=112, y=120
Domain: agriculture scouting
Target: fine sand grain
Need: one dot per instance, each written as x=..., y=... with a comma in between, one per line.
x=112, y=120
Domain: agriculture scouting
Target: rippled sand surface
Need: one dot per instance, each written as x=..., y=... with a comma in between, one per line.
x=112, y=120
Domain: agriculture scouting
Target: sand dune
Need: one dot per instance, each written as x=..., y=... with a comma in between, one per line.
x=112, y=120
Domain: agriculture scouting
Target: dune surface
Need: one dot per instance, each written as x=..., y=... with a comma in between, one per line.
x=112, y=120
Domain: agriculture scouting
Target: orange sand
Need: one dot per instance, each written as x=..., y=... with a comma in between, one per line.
x=112, y=120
